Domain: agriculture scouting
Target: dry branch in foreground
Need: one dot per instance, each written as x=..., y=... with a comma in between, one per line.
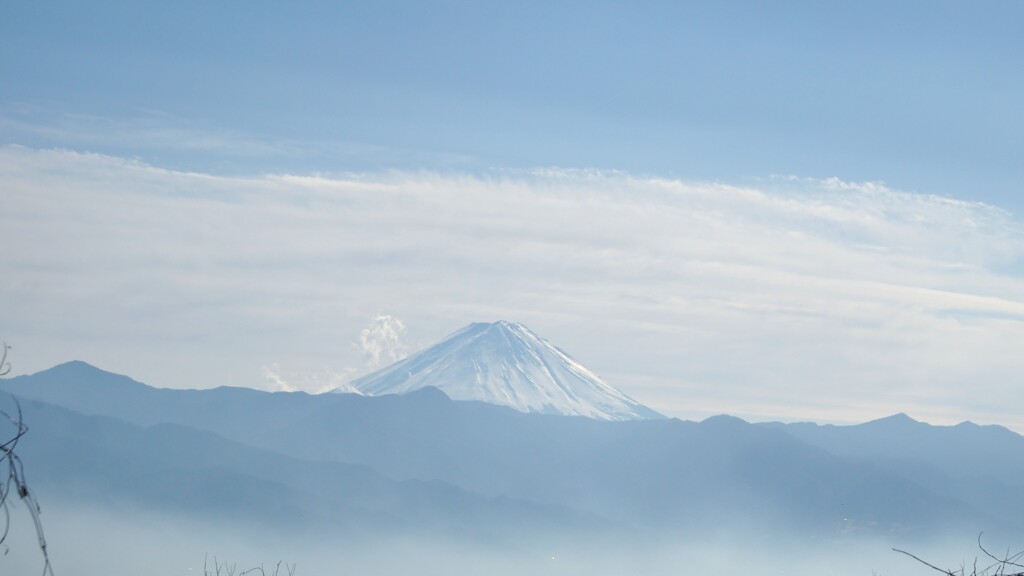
x=1008, y=565
x=12, y=474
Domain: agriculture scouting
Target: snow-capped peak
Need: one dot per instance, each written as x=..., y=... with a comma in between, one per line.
x=506, y=363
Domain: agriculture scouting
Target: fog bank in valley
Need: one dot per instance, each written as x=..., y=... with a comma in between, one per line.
x=90, y=541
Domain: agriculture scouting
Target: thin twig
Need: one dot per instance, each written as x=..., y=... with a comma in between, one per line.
x=16, y=475
x=5, y=367
x=999, y=566
x=933, y=567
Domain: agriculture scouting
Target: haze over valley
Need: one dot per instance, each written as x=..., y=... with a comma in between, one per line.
x=504, y=478
x=560, y=287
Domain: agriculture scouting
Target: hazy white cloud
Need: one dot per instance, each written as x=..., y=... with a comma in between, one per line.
x=306, y=380
x=793, y=298
x=272, y=374
x=381, y=341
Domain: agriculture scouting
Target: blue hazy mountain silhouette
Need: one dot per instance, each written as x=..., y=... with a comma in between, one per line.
x=509, y=467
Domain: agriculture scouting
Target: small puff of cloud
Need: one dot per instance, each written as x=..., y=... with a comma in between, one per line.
x=272, y=374
x=381, y=341
x=313, y=383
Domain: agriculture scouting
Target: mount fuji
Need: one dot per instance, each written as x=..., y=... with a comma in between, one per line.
x=505, y=363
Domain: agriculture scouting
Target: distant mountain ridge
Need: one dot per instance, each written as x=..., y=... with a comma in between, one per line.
x=106, y=440
x=981, y=466
x=505, y=363
x=492, y=469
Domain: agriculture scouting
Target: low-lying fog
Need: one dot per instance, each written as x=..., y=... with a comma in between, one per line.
x=90, y=542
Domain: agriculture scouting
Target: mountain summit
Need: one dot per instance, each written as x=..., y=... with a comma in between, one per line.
x=507, y=364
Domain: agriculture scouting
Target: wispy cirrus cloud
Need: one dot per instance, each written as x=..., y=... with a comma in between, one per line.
x=792, y=297
x=184, y=145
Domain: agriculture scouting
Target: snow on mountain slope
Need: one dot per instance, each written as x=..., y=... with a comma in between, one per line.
x=505, y=363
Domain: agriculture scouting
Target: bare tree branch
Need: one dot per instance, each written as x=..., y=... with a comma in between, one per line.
x=219, y=567
x=5, y=366
x=999, y=567
x=933, y=567
x=13, y=482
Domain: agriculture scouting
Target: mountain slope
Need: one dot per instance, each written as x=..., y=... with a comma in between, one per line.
x=652, y=474
x=982, y=466
x=504, y=363
x=75, y=458
x=965, y=449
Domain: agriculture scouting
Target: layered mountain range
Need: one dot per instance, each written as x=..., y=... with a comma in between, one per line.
x=421, y=462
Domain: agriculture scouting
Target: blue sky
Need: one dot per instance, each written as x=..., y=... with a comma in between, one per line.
x=808, y=211
x=921, y=95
